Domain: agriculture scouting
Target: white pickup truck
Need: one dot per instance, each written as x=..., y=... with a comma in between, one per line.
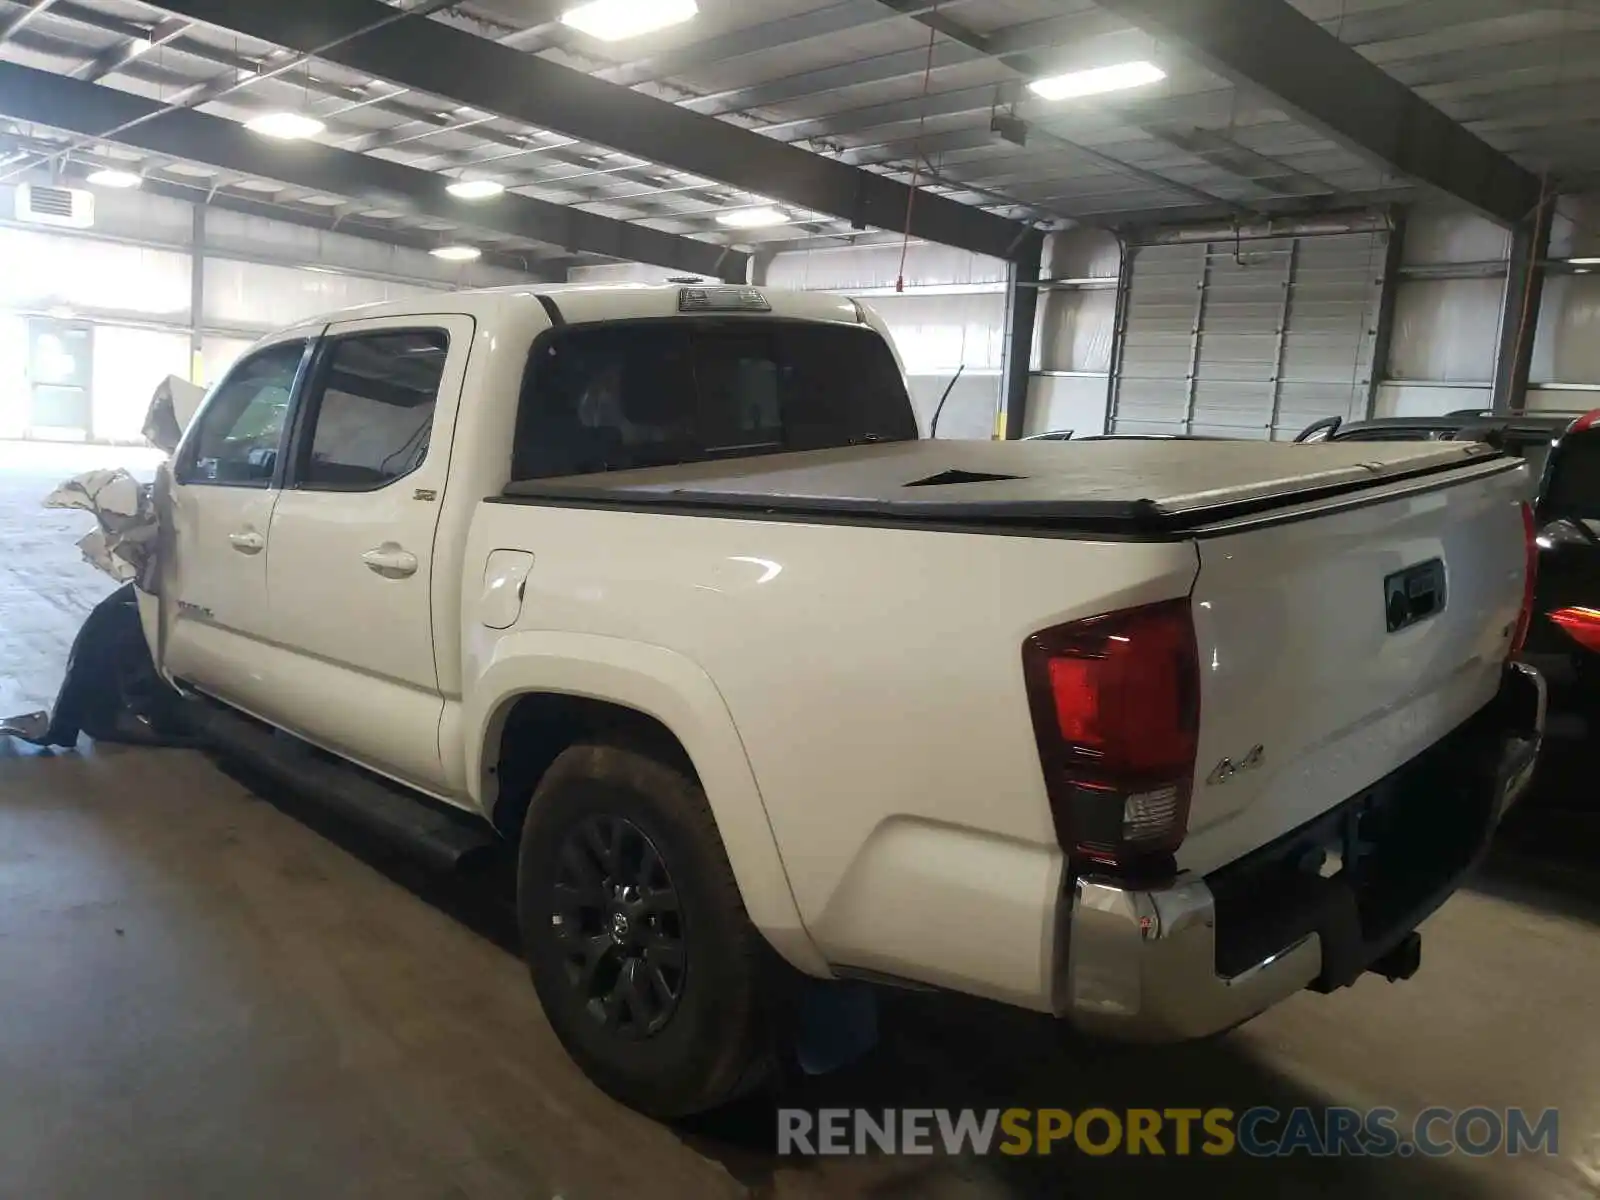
x=660, y=584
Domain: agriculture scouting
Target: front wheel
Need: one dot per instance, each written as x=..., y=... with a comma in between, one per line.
x=642, y=954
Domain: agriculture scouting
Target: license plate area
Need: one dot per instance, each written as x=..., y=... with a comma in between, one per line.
x=1413, y=595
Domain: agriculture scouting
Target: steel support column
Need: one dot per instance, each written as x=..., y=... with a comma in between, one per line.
x=1119, y=332
x=1196, y=333
x=1285, y=311
x=1022, y=314
x=1519, y=318
x=197, y=293
x=1383, y=331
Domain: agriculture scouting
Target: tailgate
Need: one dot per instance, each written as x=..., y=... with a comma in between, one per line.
x=1337, y=643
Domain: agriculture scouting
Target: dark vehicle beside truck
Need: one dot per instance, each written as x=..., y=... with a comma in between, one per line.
x=1562, y=451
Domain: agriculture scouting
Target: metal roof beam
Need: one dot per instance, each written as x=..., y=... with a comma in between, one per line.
x=89, y=109
x=1270, y=46
x=436, y=58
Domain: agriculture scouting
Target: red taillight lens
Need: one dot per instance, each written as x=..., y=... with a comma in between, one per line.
x=1116, y=711
x=1530, y=578
x=1582, y=625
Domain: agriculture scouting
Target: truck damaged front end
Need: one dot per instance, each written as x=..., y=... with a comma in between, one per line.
x=112, y=689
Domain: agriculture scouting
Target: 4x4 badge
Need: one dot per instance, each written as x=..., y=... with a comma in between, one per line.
x=1227, y=768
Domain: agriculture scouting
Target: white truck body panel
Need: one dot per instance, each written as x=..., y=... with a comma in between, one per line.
x=840, y=655
x=1296, y=657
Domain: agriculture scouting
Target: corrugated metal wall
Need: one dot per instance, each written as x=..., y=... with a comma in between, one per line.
x=130, y=279
x=1250, y=339
x=1446, y=315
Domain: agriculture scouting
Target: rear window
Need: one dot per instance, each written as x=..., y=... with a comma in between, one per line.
x=655, y=393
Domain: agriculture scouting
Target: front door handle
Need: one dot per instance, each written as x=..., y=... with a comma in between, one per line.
x=247, y=541
x=390, y=561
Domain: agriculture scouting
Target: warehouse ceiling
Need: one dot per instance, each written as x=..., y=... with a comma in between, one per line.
x=1260, y=112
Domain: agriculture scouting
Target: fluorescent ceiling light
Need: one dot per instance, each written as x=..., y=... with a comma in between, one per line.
x=1097, y=80
x=614, y=20
x=286, y=126
x=1584, y=262
x=475, y=189
x=110, y=177
x=456, y=253
x=752, y=218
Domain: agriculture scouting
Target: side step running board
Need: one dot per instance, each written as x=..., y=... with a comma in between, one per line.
x=441, y=839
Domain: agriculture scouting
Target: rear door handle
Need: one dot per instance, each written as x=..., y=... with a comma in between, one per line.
x=247, y=541
x=390, y=561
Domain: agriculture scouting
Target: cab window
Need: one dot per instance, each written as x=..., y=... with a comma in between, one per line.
x=240, y=429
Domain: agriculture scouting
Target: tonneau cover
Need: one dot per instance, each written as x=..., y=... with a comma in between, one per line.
x=1133, y=485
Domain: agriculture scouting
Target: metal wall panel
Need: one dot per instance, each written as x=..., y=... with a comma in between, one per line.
x=44, y=271
x=1445, y=330
x=217, y=354
x=878, y=266
x=1074, y=332
x=1566, y=348
x=1250, y=339
x=255, y=296
x=14, y=390
x=128, y=363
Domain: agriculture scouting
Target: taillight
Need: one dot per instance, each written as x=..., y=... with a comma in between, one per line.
x=1530, y=578
x=1116, y=712
x=1582, y=625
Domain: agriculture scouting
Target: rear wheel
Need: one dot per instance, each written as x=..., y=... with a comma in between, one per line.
x=643, y=957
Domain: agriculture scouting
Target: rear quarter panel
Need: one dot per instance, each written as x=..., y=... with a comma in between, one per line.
x=874, y=679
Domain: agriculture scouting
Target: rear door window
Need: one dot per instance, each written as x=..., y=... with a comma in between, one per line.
x=656, y=393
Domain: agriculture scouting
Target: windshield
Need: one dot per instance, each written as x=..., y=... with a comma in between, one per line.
x=654, y=393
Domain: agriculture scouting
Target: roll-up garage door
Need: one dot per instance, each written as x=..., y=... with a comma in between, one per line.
x=1249, y=339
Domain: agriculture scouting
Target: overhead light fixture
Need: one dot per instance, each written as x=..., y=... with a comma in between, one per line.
x=753, y=218
x=614, y=20
x=1584, y=262
x=110, y=177
x=285, y=126
x=456, y=253
x=1097, y=80
x=475, y=189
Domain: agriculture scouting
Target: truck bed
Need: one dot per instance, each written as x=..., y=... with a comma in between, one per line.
x=1106, y=488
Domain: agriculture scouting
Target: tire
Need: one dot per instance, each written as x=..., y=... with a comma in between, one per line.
x=684, y=1029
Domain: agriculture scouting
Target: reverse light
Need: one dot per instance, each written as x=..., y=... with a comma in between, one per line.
x=1115, y=702
x=1530, y=578
x=1582, y=625
x=614, y=20
x=1097, y=80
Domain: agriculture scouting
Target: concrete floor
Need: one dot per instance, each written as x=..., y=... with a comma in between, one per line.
x=206, y=993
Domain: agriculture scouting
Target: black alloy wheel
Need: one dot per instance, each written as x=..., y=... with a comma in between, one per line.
x=617, y=918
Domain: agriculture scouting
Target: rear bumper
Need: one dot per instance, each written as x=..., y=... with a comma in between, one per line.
x=1205, y=954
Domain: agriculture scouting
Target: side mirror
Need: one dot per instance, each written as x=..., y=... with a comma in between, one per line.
x=1320, y=431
